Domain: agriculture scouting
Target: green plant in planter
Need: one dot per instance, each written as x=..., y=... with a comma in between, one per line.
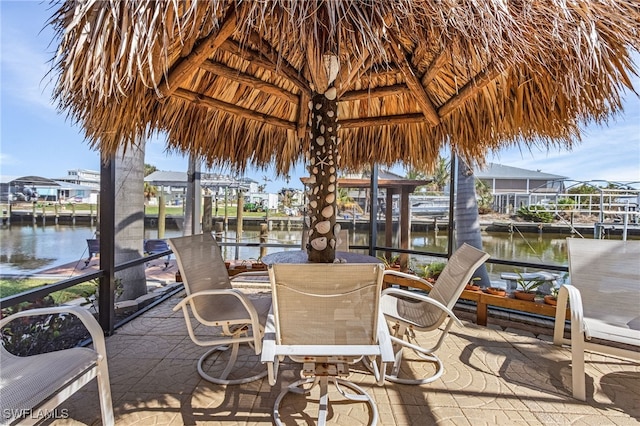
x=434, y=269
x=552, y=299
x=393, y=261
x=528, y=285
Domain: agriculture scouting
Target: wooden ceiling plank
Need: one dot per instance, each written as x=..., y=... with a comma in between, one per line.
x=210, y=102
x=388, y=120
x=247, y=79
x=428, y=109
x=473, y=86
x=378, y=92
x=187, y=65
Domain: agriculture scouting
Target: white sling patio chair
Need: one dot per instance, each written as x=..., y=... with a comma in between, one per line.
x=211, y=301
x=326, y=317
x=408, y=312
x=604, y=300
x=33, y=386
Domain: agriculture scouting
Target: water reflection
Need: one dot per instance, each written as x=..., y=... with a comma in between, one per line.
x=25, y=249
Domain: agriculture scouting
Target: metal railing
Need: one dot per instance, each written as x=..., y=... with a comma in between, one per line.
x=34, y=294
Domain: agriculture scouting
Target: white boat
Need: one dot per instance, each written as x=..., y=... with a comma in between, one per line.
x=430, y=206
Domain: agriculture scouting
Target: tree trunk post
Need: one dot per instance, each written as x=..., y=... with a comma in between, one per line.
x=323, y=162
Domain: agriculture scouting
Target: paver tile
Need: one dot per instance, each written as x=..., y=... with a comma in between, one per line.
x=491, y=376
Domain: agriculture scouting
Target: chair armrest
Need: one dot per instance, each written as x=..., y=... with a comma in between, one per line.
x=422, y=298
x=90, y=323
x=218, y=292
x=422, y=282
x=568, y=293
x=386, y=350
x=248, y=305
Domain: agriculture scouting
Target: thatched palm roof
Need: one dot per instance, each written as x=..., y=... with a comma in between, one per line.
x=231, y=80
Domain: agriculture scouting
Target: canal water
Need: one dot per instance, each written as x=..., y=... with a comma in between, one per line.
x=31, y=249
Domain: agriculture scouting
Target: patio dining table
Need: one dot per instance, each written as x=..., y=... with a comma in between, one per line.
x=300, y=256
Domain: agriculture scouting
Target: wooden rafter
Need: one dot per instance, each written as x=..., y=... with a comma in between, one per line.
x=387, y=120
x=303, y=115
x=417, y=89
x=434, y=68
x=473, y=86
x=209, y=102
x=347, y=73
x=390, y=71
x=249, y=80
x=187, y=65
x=378, y=92
x=258, y=59
x=281, y=64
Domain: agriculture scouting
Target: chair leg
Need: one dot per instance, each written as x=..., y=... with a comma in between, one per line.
x=402, y=340
x=323, y=381
x=229, y=367
x=104, y=391
x=393, y=376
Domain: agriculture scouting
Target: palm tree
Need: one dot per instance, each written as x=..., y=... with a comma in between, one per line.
x=415, y=174
x=149, y=191
x=129, y=220
x=466, y=216
x=484, y=196
x=344, y=201
x=441, y=174
x=148, y=169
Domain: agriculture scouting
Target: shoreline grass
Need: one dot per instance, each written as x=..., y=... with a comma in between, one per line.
x=12, y=286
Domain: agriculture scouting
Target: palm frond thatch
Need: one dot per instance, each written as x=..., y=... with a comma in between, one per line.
x=231, y=80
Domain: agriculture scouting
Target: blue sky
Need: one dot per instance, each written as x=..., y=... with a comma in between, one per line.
x=35, y=139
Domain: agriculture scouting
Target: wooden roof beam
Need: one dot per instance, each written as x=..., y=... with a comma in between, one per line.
x=258, y=59
x=282, y=66
x=378, y=92
x=473, y=86
x=390, y=71
x=303, y=115
x=347, y=73
x=249, y=80
x=387, y=120
x=209, y=102
x=183, y=68
x=434, y=67
x=418, y=91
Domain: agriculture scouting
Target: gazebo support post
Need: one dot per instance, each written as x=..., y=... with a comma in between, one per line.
x=323, y=162
x=404, y=227
x=373, y=211
x=388, y=220
x=106, y=287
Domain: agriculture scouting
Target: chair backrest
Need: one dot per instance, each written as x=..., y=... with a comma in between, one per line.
x=607, y=273
x=326, y=304
x=455, y=275
x=201, y=266
x=93, y=245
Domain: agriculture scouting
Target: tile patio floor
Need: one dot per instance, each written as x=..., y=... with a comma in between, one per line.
x=492, y=376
